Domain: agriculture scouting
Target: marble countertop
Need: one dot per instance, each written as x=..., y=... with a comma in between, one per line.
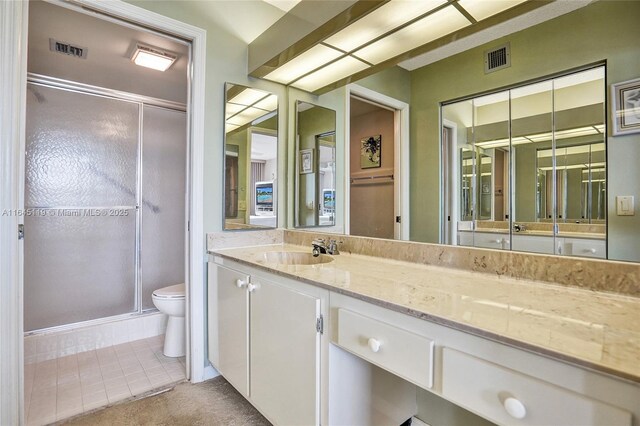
x=600, y=331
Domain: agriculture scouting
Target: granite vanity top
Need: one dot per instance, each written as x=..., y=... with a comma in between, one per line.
x=597, y=330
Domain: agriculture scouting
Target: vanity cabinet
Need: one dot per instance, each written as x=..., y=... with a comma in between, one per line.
x=265, y=338
x=506, y=385
x=506, y=396
x=232, y=306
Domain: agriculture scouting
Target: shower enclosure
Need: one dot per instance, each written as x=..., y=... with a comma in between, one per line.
x=105, y=197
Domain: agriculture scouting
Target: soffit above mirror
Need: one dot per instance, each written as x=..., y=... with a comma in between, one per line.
x=370, y=35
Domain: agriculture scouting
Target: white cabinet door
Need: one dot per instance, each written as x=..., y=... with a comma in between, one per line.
x=233, y=327
x=285, y=354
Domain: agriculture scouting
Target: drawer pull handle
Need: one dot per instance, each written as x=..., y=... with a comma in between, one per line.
x=374, y=345
x=241, y=283
x=515, y=408
x=591, y=250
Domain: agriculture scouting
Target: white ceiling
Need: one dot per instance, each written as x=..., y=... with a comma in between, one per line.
x=108, y=63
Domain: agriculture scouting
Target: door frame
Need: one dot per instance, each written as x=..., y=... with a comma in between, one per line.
x=401, y=156
x=13, y=59
x=449, y=195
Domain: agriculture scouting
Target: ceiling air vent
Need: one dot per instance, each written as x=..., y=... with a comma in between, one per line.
x=497, y=59
x=67, y=49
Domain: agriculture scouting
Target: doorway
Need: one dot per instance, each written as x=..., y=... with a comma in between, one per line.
x=106, y=164
x=394, y=174
x=372, y=169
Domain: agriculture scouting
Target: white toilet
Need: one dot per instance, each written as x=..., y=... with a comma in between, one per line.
x=171, y=301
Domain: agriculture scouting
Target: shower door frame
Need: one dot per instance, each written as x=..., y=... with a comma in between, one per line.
x=13, y=66
x=141, y=101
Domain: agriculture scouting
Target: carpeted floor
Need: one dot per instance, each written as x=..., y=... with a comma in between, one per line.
x=214, y=402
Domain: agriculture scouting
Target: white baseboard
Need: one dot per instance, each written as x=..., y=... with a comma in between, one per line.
x=210, y=373
x=44, y=346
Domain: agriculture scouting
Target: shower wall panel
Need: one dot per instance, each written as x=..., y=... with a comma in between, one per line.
x=164, y=150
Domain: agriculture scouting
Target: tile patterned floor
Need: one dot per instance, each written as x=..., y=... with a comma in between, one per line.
x=63, y=387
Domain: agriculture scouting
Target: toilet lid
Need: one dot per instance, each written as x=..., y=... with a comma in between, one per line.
x=173, y=291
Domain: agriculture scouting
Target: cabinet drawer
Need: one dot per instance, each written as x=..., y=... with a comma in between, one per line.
x=585, y=247
x=489, y=390
x=403, y=353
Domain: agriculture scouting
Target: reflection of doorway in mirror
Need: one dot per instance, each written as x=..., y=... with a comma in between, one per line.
x=372, y=168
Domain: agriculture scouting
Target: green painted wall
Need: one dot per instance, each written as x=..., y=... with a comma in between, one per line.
x=394, y=82
x=605, y=30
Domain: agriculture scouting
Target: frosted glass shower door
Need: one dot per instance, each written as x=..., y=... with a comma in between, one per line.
x=164, y=159
x=80, y=192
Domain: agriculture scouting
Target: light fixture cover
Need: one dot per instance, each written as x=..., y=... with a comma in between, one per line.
x=154, y=58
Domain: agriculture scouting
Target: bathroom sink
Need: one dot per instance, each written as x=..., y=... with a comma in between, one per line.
x=296, y=258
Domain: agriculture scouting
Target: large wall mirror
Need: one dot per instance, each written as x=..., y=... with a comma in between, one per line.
x=527, y=167
x=250, y=158
x=315, y=171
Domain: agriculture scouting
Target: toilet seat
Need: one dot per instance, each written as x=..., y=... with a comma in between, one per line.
x=172, y=292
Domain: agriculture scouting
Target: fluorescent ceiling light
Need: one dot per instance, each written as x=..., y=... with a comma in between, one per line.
x=304, y=63
x=430, y=28
x=154, y=58
x=380, y=21
x=482, y=9
x=332, y=72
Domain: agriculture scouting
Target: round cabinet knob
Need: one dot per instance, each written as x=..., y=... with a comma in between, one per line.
x=241, y=283
x=591, y=250
x=251, y=287
x=498, y=241
x=515, y=408
x=374, y=345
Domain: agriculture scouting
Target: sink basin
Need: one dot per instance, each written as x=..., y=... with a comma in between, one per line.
x=296, y=258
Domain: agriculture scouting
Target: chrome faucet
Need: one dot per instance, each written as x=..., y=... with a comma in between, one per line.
x=518, y=227
x=320, y=246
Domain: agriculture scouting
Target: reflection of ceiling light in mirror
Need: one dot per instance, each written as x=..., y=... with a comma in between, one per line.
x=304, y=63
x=333, y=72
x=380, y=21
x=232, y=109
x=246, y=116
x=482, y=9
x=268, y=104
x=541, y=137
x=152, y=57
x=427, y=29
x=248, y=96
x=230, y=127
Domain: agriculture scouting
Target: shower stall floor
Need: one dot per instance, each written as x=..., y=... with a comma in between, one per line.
x=60, y=388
